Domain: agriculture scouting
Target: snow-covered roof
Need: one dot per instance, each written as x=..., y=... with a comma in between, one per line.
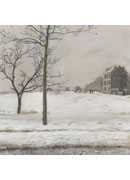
x=110, y=69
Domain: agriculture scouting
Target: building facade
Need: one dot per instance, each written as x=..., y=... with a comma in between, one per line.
x=110, y=84
x=107, y=80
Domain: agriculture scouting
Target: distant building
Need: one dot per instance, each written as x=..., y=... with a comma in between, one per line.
x=107, y=80
x=110, y=83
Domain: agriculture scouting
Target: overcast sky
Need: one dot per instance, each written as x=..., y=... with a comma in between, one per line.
x=85, y=56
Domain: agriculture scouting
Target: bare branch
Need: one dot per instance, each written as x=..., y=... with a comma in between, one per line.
x=11, y=59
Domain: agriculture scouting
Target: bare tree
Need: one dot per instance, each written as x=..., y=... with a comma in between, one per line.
x=44, y=37
x=12, y=61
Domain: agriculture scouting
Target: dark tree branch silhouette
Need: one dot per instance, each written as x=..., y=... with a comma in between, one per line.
x=12, y=60
x=43, y=36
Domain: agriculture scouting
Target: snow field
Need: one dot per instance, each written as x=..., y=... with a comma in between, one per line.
x=74, y=119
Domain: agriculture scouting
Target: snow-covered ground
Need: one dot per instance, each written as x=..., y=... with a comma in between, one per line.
x=74, y=119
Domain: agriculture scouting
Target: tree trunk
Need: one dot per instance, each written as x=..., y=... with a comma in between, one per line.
x=19, y=97
x=44, y=119
x=44, y=95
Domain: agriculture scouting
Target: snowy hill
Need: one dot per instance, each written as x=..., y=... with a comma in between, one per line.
x=67, y=107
